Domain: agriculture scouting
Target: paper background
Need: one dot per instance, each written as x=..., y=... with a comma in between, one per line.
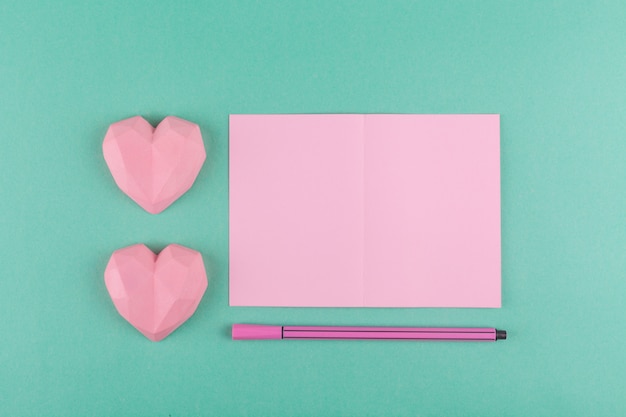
x=374, y=210
x=553, y=70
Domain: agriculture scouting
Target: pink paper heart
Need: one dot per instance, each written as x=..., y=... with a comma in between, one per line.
x=156, y=294
x=152, y=166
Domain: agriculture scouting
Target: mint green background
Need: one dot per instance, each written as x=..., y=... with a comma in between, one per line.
x=555, y=71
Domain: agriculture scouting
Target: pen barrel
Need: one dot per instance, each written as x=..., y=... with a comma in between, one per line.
x=390, y=333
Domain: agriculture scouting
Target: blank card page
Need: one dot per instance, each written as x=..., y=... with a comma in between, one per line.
x=432, y=210
x=296, y=210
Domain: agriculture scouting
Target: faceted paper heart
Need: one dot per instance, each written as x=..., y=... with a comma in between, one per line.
x=152, y=166
x=156, y=294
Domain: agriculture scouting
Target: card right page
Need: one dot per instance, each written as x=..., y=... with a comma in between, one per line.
x=432, y=211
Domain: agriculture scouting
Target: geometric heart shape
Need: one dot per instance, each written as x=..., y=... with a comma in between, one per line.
x=152, y=166
x=156, y=294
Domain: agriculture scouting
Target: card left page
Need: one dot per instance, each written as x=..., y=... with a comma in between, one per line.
x=296, y=210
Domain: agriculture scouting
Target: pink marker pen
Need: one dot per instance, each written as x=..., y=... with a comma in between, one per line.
x=262, y=332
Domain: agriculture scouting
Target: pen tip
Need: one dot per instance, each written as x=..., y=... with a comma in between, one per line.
x=500, y=334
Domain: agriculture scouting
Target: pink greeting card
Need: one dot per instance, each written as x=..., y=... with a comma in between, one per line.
x=375, y=210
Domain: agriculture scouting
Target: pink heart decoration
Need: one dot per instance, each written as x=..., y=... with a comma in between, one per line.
x=152, y=166
x=156, y=294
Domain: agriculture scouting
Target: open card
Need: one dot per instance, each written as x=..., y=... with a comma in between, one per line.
x=374, y=210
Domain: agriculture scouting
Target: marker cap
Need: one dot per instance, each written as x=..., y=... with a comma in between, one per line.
x=256, y=332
